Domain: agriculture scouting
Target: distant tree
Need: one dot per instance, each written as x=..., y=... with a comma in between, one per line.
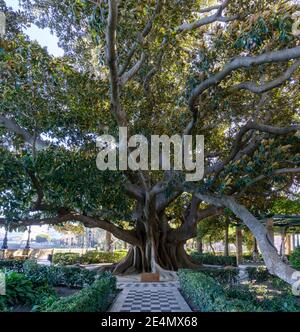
x=42, y=238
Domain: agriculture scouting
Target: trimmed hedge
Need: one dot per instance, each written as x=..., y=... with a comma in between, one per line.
x=67, y=258
x=224, y=276
x=91, y=257
x=73, y=277
x=207, y=295
x=11, y=265
x=94, y=298
x=211, y=259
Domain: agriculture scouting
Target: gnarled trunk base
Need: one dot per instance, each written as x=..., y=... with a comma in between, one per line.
x=167, y=258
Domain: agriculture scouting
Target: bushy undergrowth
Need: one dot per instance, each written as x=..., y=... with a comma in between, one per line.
x=206, y=293
x=224, y=275
x=32, y=285
x=91, y=257
x=295, y=258
x=94, y=298
x=211, y=259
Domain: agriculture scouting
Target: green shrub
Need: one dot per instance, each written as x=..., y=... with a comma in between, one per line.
x=207, y=295
x=210, y=259
x=11, y=265
x=241, y=292
x=249, y=258
x=224, y=276
x=91, y=257
x=280, y=303
x=94, y=298
x=295, y=258
x=3, y=306
x=67, y=258
x=259, y=274
x=73, y=277
x=19, y=289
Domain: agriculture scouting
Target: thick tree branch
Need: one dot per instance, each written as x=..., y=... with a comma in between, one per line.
x=274, y=173
x=132, y=71
x=12, y=126
x=189, y=228
x=242, y=62
x=90, y=222
x=217, y=17
x=236, y=152
x=111, y=57
x=253, y=87
x=140, y=38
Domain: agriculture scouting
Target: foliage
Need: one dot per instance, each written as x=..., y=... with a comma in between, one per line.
x=11, y=265
x=90, y=257
x=259, y=274
x=207, y=294
x=93, y=257
x=94, y=298
x=58, y=276
x=42, y=238
x=3, y=306
x=19, y=289
x=295, y=258
x=211, y=259
x=33, y=287
x=67, y=258
x=224, y=276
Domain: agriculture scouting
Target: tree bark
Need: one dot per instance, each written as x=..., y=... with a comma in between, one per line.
x=270, y=230
x=226, y=244
x=288, y=244
x=255, y=249
x=239, y=245
x=199, y=244
x=157, y=252
x=282, y=246
x=108, y=242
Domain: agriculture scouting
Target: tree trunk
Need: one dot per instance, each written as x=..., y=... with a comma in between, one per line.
x=167, y=256
x=199, y=244
x=255, y=249
x=239, y=245
x=270, y=230
x=226, y=244
x=108, y=242
x=294, y=241
x=282, y=246
x=288, y=244
x=156, y=252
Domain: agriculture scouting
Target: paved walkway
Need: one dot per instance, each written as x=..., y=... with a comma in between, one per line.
x=149, y=297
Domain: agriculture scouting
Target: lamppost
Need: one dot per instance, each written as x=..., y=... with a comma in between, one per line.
x=28, y=239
